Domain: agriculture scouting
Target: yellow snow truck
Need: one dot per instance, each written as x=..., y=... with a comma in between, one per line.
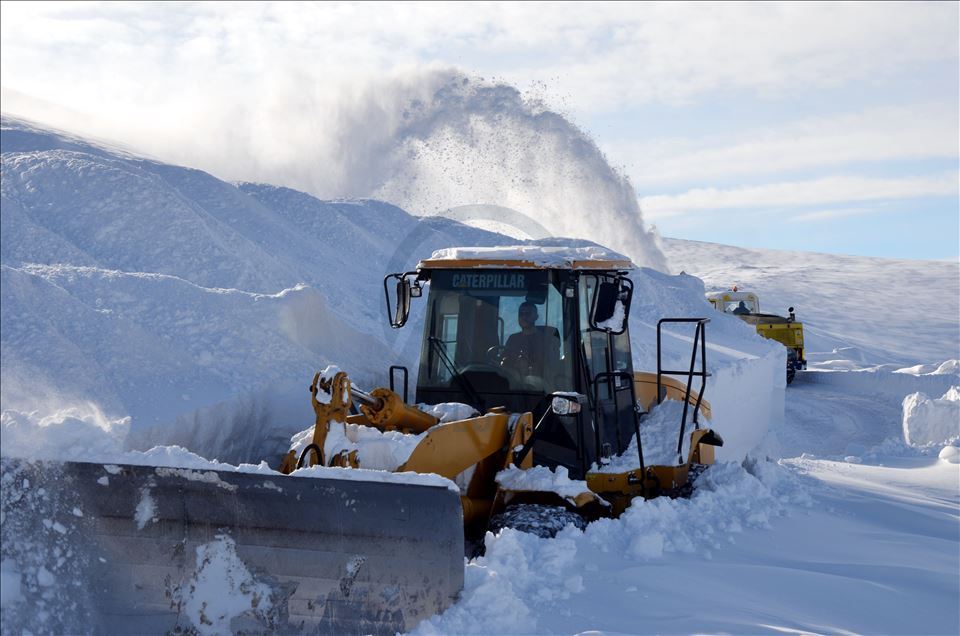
x=785, y=330
x=526, y=357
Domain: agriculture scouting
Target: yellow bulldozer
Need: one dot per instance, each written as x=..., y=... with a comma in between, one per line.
x=540, y=424
x=784, y=329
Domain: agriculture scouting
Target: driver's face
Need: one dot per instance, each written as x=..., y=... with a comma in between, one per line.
x=527, y=316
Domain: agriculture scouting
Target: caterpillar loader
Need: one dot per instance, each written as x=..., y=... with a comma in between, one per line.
x=534, y=351
x=785, y=330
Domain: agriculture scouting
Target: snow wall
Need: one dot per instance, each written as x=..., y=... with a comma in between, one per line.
x=199, y=309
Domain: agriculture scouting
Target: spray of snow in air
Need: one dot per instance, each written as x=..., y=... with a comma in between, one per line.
x=474, y=142
x=433, y=141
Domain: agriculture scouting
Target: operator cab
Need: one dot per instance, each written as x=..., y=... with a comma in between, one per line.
x=508, y=330
x=735, y=302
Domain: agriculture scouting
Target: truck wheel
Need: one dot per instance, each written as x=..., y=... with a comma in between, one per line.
x=543, y=521
x=791, y=365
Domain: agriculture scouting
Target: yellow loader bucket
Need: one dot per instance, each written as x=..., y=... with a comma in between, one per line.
x=136, y=549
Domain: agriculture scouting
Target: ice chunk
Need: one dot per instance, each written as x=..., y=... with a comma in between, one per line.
x=45, y=577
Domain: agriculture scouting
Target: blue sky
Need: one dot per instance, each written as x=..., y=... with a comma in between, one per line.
x=807, y=126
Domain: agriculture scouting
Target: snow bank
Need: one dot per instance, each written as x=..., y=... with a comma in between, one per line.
x=885, y=381
x=950, y=454
x=950, y=367
x=124, y=318
x=747, y=402
x=931, y=421
x=745, y=390
x=75, y=432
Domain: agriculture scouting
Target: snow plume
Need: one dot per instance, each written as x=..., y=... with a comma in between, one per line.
x=434, y=141
x=472, y=142
x=427, y=141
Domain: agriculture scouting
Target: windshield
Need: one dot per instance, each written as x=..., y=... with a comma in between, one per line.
x=503, y=331
x=740, y=307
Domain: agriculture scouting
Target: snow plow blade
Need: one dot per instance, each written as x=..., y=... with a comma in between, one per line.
x=142, y=549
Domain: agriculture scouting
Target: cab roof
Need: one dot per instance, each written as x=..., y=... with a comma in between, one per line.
x=527, y=257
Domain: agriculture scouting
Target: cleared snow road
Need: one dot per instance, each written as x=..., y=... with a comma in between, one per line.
x=829, y=421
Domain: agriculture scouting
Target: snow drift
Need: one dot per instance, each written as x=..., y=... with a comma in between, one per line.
x=931, y=421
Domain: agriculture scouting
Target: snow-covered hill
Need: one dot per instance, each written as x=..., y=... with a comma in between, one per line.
x=872, y=310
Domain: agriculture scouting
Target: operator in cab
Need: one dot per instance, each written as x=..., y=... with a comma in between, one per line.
x=534, y=349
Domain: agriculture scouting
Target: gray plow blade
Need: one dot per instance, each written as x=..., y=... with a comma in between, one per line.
x=89, y=548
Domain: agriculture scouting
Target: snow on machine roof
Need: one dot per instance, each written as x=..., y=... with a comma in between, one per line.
x=526, y=257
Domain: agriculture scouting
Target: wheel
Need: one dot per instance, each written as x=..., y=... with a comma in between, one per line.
x=686, y=490
x=791, y=365
x=538, y=519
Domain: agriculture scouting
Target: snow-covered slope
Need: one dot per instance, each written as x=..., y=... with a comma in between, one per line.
x=163, y=294
x=872, y=310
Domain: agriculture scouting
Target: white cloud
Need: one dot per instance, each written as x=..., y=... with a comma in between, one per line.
x=605, y=56
x=801, y=193
x=264, y=91
x=921, y=131
x=830, y=214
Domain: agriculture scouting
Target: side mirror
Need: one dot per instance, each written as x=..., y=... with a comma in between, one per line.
x=398, y=306
x=611, y=305
x=566, y=403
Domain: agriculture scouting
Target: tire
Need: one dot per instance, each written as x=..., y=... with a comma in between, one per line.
x=537, y=519
x=686, y=491
x=791, y=365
